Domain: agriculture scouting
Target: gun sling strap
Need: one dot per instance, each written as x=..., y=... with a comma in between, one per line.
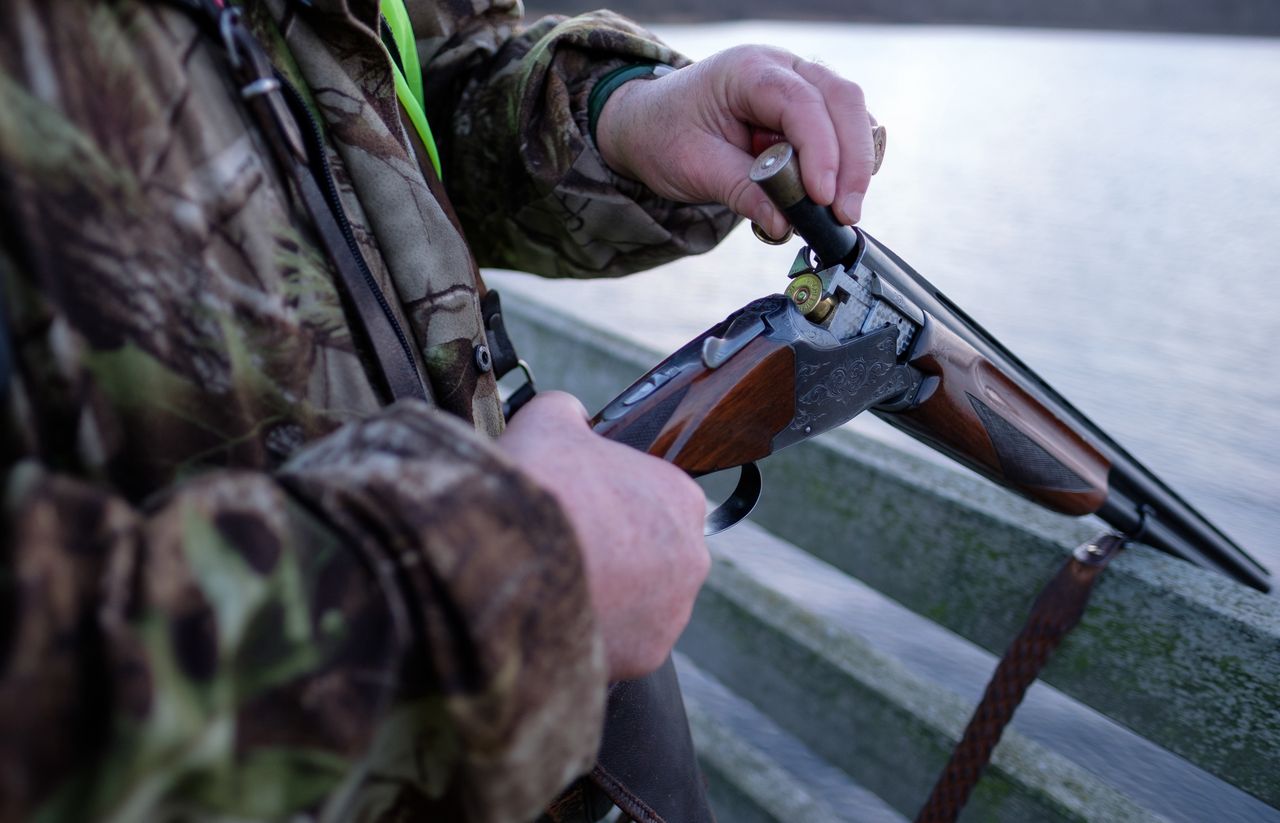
x=1055, y=613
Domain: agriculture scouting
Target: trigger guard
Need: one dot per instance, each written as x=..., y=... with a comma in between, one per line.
x=739, y=504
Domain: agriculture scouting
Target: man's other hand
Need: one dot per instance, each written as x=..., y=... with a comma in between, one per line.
x=687, y=134
x=638, y=519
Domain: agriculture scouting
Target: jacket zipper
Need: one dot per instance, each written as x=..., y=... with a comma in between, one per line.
x=315, y=139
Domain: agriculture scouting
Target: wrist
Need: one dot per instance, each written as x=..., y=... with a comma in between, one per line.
x=609, y=123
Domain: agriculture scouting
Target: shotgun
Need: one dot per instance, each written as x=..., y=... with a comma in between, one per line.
x=857, y=330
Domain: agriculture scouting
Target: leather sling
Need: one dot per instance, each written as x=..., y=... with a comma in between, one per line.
x=1056, y=612
x=295, y=143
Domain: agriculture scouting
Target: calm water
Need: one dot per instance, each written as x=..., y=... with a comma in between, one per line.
x=1107, y=204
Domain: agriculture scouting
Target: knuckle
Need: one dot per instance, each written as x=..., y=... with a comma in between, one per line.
x=775, y=79
x=805, y=92
x=564, y=403
x=858, y=172
x=759, y=53
x=854, y=91
x=649, y=651
x=677, y=492
x=738, y=199
x=859, y=180
x=692, y=497
x=853, y=108
x=701, y=566
x=815, y=70
x=654, y=656
x=820, y=73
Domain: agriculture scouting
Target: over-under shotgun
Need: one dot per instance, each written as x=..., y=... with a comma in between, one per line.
x=858, y=329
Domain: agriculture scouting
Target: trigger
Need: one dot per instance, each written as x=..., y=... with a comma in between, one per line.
x=740, y=502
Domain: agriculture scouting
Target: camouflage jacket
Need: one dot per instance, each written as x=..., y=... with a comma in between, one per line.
x=235, y=584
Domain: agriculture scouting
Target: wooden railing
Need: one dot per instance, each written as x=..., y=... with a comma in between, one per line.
x=845, y=627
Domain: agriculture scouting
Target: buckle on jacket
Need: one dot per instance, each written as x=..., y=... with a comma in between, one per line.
x=499, y=355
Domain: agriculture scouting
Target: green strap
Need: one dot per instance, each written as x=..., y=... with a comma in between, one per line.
x=409, y=81
x=609, y=83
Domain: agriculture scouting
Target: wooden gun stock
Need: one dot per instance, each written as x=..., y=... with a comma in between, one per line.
x=706, y=419
x=972, y=411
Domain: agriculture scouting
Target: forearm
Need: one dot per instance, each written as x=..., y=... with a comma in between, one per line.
x=521, y=165
x=248, y=627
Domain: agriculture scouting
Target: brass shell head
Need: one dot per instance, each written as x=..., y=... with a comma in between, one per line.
x=805, y=290
x=777, y=171
x=821, y=311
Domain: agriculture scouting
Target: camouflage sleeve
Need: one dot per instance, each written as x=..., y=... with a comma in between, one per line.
x=323, y=640
x=509, y=106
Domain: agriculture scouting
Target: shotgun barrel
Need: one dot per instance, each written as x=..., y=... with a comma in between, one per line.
x=858, y=330
x=1133, y=500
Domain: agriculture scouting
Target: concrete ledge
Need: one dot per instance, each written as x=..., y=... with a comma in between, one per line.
x=865, y=713
x=1184, y=657
x=745, y=783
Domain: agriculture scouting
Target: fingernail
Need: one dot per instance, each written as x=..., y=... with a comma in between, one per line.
x=827, y=191
x=851, y=206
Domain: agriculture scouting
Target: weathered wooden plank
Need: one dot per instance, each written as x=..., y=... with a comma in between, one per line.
x=1183, y=657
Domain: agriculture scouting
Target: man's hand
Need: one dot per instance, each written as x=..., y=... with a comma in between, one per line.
x=687, y=135
x=637, y=518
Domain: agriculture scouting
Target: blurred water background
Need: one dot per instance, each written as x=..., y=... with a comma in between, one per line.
x=1107, y=204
